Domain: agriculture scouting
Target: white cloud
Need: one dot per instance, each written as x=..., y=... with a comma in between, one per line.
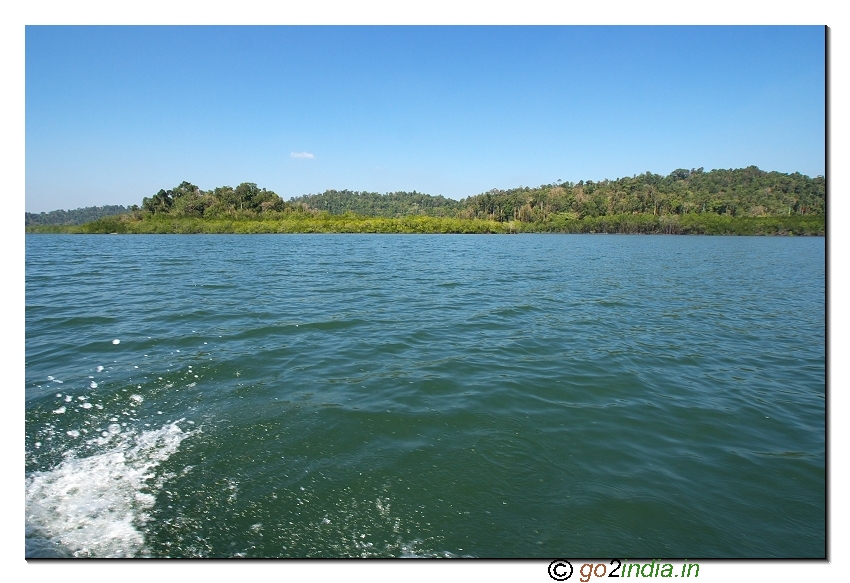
x=301, y=155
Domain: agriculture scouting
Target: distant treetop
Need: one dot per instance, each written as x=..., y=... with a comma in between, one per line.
x=745, y=192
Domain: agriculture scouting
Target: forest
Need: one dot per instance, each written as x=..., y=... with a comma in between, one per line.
x=74, y=217
x=743, y=201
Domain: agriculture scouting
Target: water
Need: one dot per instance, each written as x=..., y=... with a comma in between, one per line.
x=449, y=396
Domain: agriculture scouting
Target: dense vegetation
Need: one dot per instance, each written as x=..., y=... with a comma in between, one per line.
x=74, y=217
x=373, y=204
x=735, y=193
x=744, y=201
x=324, y=222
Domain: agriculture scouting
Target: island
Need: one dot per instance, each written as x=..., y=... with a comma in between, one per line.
x=746, y=201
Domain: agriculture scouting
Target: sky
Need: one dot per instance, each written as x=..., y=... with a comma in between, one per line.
x=115, y=113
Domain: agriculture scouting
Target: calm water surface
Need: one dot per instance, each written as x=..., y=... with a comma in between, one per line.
x=382, y=395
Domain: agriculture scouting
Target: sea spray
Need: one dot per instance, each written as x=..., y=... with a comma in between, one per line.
x=95, y=506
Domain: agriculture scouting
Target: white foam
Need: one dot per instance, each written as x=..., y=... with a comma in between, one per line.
x=93, y=385
x=86, y=405
x=137, y=398
x=60, y=410
x=99, y=369
x=95, y=506
x=116, y=341
x=68, y=398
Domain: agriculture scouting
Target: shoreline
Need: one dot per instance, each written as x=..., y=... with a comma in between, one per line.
x=305, y=223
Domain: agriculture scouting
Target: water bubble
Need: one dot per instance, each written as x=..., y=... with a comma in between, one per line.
x=116, y=341
x=93, y=385
x=73, y=433
x=60, y=410
x=99, y=369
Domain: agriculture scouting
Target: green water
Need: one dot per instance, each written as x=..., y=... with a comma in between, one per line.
x=384, y=395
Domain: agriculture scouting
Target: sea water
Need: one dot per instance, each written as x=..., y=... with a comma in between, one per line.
x=418, y=396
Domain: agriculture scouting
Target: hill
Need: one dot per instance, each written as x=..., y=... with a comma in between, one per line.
x=78, y=216
x=735, y=201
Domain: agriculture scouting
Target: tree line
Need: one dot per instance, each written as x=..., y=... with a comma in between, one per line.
x=681, y=202
x=746, y=192
x=74, y=217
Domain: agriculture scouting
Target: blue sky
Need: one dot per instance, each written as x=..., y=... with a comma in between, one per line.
x=114, y=113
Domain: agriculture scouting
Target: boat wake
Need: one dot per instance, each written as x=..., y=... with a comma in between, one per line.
x=95, y=506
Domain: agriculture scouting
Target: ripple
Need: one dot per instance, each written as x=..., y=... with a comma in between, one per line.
x=436, y=396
